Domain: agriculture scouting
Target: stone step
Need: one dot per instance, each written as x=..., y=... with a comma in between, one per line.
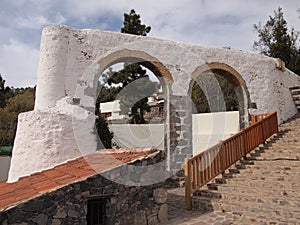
x=256, y=218
x=284, y=171
x=247, y=162
x=288, y=143
x=290, y=125
x=254, y=200
x=250, y=182
x=240, y=167
x=281, y=149
x=227, y=176
x=295, y=92
x=287, y=193
x=277, y=154
x=220, y=180
x=274, y=158
x=295, y=88
x=208, y=194
x=296, y=98
x=286, y=140
x=250, y=209
x=253, y=210
x=266, y=176
x=255, y=154
x=275, y=209
x=283, y=165
x=253, y=192
x=234, y=171
x=205, y=204
x=213, y=186
x=234, y=184
x=275, y=202
x=280, y=165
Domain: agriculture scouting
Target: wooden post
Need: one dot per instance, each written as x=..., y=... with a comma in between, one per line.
x=188, y=188
x=276, y=122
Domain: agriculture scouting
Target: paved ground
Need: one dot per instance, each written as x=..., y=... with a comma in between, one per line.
x=265, y=192
x=178, y=215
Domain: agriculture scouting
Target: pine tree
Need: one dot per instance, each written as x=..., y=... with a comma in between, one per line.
x=276, y=41
x=132, y=24
x=5, y=93
x=116, y=81
x=130, y=73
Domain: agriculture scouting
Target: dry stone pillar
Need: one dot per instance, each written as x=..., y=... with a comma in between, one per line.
x=181, y=130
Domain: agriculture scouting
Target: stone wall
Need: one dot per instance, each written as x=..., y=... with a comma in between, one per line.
x=181, y=130
x=68, y=205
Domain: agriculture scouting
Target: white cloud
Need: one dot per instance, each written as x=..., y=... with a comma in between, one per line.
x=206, y=22
x=18, y=64
x=35, y=22
x=216, y=23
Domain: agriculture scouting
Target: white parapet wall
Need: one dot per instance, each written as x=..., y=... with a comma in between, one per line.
x=138, y=135
x=208, y=129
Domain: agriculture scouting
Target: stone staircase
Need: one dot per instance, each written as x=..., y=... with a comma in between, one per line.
x=295, y=92
x=264, y=188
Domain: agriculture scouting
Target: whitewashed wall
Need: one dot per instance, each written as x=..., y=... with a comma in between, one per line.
x=68, y=68
x=208, y=130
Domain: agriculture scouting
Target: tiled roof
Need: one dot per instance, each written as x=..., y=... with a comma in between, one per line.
x=74, y=170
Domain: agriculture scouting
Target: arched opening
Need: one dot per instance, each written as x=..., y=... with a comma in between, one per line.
x=220, y=104
x=139, y=114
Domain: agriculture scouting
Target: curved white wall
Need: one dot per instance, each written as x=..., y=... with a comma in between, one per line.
x=51, y=68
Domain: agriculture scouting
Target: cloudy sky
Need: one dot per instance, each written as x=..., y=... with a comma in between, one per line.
x=217, y=23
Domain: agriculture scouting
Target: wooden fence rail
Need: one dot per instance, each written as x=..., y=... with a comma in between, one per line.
x=202, y=168
x=258, y=117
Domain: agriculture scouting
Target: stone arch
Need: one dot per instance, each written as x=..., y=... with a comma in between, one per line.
x=232, y=76
x=87, y=84
x=140, y=57
x=86, y=89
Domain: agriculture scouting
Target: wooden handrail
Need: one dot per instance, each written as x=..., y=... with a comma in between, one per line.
x=202, y=168
x=258, y=117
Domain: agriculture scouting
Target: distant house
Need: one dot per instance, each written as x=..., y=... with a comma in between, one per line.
x=156, y=102
x=111, y=111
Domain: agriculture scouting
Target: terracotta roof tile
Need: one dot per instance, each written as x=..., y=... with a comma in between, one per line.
x=52, y=174
x=65, y=180
x=6, y=200
x=66, y=173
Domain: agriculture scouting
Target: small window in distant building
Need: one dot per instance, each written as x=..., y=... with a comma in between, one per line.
x=96, y=214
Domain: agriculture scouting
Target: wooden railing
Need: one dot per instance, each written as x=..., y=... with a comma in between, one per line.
x=202, y=168
x=258, y=117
